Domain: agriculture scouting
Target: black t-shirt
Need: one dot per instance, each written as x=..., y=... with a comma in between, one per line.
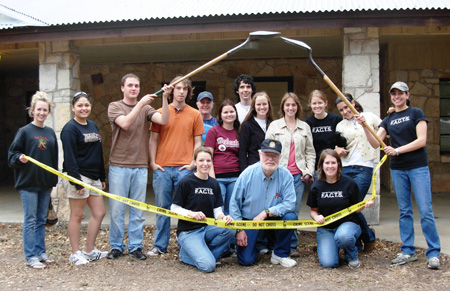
x=401, y=126
x=323, y=132
x=196, y=194
x=332, y=198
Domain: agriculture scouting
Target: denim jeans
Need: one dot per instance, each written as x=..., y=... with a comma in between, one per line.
x=35, y=207
x=247, y=255
x=164, y=183
x=419, y=180
x=299, y=186
x=203, y=247
x=363, y=178
x=130, y=183
x=329, y=241
x=226, y=187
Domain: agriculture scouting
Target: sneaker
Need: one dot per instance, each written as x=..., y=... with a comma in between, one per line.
x=285, y=262
x=78, y=259
x=114, y=254
x=433, y=263
x=354, y=264
x=295, y=254
x=264, y=251
x=402, y=259
x=94, y=255
x=154, y=252
x=137, y=254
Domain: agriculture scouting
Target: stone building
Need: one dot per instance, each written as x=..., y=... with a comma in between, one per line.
x=61, y=48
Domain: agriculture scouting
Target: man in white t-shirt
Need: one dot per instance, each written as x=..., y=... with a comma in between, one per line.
x=244, y=87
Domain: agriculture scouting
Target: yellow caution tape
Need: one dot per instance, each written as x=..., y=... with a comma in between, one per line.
x=245, y=224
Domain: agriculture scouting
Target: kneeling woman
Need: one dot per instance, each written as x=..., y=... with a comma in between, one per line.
x=330, y=194
x=198, y=196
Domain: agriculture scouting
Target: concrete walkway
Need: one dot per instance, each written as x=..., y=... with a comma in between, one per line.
x=11, y=212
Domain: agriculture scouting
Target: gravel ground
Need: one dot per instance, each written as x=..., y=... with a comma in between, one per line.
x=167, y=273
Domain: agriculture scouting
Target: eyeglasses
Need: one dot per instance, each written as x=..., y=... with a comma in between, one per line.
x=272, y=156
x=78, y=95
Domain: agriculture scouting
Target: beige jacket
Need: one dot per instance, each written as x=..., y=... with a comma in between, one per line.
x=354, y=133
x=305, y=155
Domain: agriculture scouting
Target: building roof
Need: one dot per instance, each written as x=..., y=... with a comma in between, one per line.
x=17, y=13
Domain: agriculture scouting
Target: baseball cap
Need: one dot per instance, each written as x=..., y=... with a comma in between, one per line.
x=205, y=94
x=271, y=146
x=400, y=86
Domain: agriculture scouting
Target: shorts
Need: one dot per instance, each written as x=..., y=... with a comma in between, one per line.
x=71, y=190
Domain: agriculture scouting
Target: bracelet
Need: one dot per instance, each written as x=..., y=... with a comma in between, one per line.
x=397, y=151
x=267, y=213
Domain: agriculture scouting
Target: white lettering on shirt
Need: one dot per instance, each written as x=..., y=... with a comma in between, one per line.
x=333, y=194
x=92, y=137
x=208, y=191
x=399, y=120
x=322, y=129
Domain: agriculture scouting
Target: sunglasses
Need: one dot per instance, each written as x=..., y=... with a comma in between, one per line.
x=78, y=95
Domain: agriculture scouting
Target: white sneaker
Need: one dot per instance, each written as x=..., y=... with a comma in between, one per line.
x=78, y=259
x=285, y=262
x=94, y=255
x=154, y=252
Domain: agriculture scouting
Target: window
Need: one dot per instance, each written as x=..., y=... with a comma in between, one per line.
x=445, y=115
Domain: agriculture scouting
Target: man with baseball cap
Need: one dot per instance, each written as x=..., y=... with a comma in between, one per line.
x=205, y=103
x=264, y=191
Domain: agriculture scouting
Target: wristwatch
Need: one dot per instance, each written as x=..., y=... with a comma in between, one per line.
x=267, y=212
x=397, y=151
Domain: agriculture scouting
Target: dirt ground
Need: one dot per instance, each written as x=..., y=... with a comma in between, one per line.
x=167, y=273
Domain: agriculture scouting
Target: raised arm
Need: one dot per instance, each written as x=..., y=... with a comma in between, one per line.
x=163, y=117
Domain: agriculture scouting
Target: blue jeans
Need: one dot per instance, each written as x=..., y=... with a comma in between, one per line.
x=203, y=247
x=329, y=241
x=35, y=207
x=130, y=183
x=164, y=183
x=247, y=255
x=226, y=187
x=419, y=180
x=299, y=186
x=363, y=178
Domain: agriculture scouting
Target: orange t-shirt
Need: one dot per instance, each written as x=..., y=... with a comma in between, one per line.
x=176, y=139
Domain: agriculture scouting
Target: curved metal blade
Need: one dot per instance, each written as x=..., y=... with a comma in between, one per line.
x=297, y=43
x=263, y=34
x=251, y=36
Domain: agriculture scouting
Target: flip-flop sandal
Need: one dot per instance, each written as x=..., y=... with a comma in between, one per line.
x=45, y=259
x=36, y=265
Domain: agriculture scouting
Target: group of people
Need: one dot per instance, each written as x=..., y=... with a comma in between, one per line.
x=247, y=166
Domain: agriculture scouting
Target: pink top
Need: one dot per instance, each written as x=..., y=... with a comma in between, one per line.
x=292, y=166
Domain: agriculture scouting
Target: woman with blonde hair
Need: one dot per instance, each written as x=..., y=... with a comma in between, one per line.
x=322, y=123
x=35, y=184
